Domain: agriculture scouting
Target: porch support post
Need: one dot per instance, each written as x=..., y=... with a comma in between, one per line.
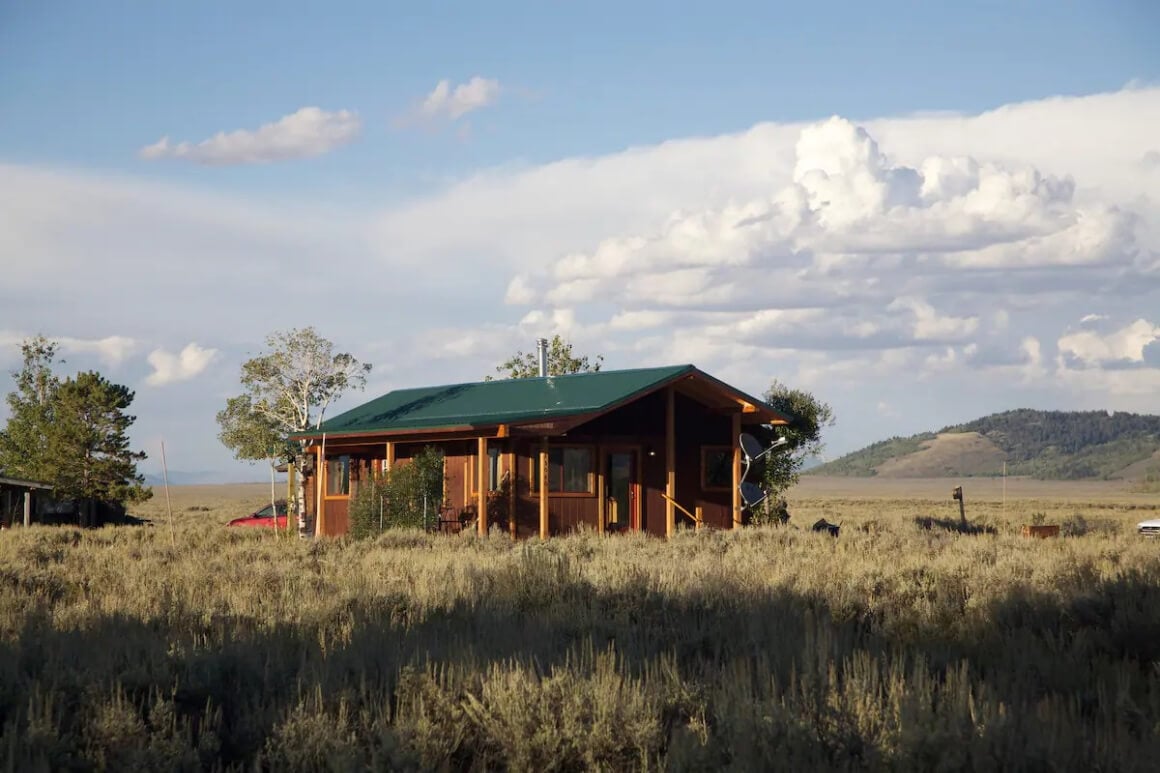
x=736, y=435
x=544, y=489
x=670, y=461
x=320, y=494
x=390, y=459
x=513, y=489
x=27, y=507
x=601, y=514
x=291, y=499
x=482, y=486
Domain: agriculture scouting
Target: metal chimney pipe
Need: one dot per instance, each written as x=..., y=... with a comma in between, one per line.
x=542, y=354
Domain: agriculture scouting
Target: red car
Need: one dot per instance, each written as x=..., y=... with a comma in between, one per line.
x=264, y=517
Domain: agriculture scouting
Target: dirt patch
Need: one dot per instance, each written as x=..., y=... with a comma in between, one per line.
x=950, y=454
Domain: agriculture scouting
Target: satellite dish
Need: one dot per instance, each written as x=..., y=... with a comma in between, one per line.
x=750, y=446
x=752, y=494
x=753, y=450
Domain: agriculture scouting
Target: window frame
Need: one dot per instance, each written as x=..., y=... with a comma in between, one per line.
x=345, y=461
x=494, y=471
x=706, y=450
x=590, y=475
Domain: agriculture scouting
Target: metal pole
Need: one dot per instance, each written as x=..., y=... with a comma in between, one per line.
x=273, y=498
x=168, y=504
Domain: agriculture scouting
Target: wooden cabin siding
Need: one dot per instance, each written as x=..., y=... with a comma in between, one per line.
x=337, y=520
x=566, y=512
x=638, y=426
x=642, y=424
x=456, y=458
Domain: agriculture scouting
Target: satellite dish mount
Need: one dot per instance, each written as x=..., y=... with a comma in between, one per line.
x=751, y=493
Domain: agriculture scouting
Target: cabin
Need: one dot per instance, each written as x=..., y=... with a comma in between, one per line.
x=18, y=500
x=643, y=450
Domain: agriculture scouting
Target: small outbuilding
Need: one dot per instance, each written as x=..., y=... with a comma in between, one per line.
x=639, y=450
x=18, y=500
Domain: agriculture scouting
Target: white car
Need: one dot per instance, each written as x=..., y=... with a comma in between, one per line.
x=1149, y=528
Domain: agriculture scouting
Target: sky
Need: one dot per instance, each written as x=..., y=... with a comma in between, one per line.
x=920, y=212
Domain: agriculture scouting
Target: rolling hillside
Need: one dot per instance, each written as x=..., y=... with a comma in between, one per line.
x=1052, y=445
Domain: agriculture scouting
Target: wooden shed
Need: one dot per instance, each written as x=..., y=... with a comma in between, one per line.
x=17, y=500
x=628, y=450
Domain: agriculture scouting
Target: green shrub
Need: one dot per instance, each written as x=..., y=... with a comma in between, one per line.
x=1078, y=526
x=407, y=496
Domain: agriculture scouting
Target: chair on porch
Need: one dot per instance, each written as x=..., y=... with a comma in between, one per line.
x=453, y=520
x=468, y=518
x=446, y=520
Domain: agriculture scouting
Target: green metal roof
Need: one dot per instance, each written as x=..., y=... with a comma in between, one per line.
x=506, y=401
x=509, y=401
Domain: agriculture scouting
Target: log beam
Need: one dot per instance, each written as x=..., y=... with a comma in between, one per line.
x=544, y=489
x=482, y=486
x=735, y=431
x=513, y=488
x=601, y=505
x=670, y=461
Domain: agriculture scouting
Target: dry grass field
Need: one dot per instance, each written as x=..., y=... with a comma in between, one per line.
x=904, y=644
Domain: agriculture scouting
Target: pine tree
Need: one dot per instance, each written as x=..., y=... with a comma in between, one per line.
x=89, y=442
x=24, y=440
x=71, y=434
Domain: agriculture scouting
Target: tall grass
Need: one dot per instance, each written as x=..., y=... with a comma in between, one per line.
x=891, y=648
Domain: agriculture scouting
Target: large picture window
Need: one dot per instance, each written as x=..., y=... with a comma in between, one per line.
x=716, y=468
x=569, y=470
x=338, y=476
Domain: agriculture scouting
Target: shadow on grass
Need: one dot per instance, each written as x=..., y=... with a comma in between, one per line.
x=516, y=677
x=129, y=520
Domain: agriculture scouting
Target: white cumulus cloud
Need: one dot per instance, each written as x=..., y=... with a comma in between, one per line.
x=448, y=102
x=169, y=368
x=307, y=132
x=850, y=258
x=110, y=350
x=1124, y=345
x=858, y=246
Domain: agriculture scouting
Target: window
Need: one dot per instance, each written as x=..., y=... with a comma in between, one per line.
x=493, y=478
x=716, y=468
x=492, y=469
x=338, y=476
x=569, y=470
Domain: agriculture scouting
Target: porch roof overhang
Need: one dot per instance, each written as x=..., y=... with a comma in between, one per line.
x=528, y=407
x=26, y=484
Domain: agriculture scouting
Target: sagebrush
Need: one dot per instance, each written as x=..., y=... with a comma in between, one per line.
x=188, y=646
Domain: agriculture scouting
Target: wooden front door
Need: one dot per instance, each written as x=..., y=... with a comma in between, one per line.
x=623, y=506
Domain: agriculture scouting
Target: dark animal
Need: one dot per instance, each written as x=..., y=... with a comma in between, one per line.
x=823, y=525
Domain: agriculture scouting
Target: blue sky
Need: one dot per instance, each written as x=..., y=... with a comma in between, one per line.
x=597, y=77
x=590, y=146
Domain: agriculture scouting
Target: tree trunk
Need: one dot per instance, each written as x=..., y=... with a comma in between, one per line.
x=300, y=495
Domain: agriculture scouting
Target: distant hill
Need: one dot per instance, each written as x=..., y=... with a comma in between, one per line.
x=1053, y=445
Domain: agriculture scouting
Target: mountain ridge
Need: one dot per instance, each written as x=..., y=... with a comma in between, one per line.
x=1049, y=445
